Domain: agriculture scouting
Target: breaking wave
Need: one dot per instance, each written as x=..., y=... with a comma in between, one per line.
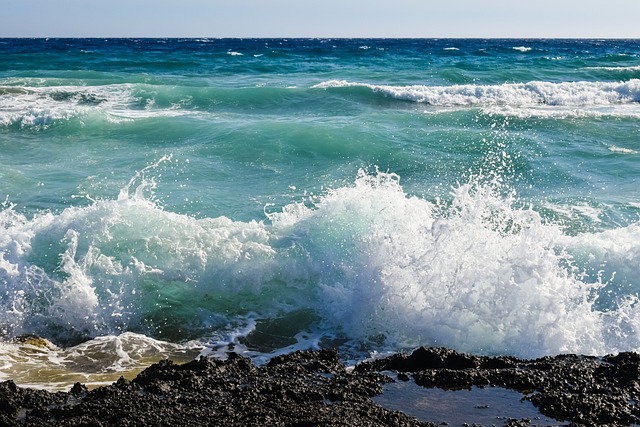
x=509, y=94
x=366, y=264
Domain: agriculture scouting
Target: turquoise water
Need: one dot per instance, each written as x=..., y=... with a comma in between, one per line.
x=183, y=197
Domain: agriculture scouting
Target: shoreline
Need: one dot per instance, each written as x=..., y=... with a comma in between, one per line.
x=315, y=388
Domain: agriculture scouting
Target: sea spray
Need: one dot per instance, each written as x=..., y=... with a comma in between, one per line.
x=373, y=263
x=479, y=275
x=503, y=218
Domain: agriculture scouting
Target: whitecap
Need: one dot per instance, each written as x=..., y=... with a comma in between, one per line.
x=565, y=112
x=619, y=68
x=534, y=93
x=622, y=150
x=31, y=103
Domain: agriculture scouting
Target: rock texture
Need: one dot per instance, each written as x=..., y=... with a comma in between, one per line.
x=581, y=390
x=313, y=388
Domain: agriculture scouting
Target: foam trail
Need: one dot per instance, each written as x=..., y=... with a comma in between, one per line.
x=619, y=68
x=37, y=363
x=512, y=94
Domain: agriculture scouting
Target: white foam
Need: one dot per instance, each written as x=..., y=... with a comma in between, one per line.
x=483, y=277
x=622, y=150
x=40, y=104
x=100, y=361
x=577, y=213
x=522, y=48
x=379, y=268
x=619, y=68
x=96, y=270
x=534, y=93
x=566, y=112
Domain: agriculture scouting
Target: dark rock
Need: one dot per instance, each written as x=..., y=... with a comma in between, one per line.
x=303, y=388
x=426, y=358
x=579, y=389
x=313, y=388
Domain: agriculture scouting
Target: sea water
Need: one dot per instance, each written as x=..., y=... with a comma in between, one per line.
x=177, y=197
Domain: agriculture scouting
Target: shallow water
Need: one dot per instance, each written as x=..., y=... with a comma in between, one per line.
x=481, y=406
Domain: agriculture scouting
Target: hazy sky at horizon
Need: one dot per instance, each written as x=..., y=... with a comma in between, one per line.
x=328, y=18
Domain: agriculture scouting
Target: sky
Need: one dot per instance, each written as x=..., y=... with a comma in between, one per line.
x=328, y=18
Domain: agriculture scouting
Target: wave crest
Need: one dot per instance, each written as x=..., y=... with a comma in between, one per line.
x=376, y=267
x=513, y=94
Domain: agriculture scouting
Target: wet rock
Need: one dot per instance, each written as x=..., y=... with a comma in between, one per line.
x=577, y=389
x=304, y=388
x=313, y=388
x=34, y=341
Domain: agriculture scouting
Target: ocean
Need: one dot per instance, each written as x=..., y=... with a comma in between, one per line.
x=171, y=198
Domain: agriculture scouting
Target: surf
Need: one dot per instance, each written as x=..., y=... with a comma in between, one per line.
x=375, y=267
x=502, y=217
x=533, y=93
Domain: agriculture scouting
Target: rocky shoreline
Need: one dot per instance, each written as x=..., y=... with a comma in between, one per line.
x=314, y=388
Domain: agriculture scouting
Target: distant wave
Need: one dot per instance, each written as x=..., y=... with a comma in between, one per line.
x=521, y=48
x=40, y=107
x=29, y=104
x=25, y=103
x=622, y=150
x=627, y=68
x=514, y=94
x=621, y=111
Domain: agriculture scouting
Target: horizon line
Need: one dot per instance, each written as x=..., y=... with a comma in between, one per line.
x=328, y=37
